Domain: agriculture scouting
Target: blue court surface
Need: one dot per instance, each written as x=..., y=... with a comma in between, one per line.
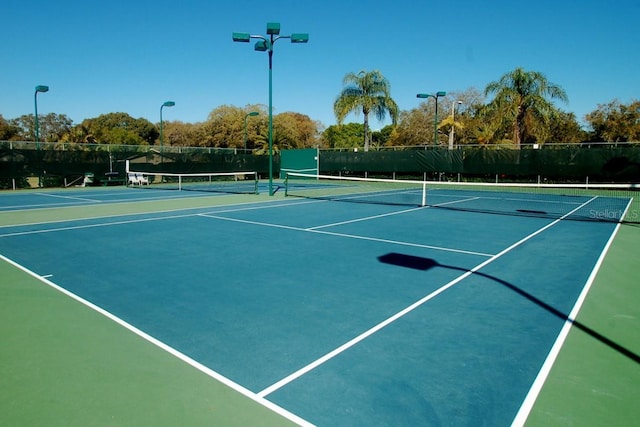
x=349, y=314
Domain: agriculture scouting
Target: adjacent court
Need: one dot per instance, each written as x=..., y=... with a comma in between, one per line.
x=328, y=312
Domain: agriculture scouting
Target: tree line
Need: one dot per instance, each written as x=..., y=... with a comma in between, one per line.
x=519, y=108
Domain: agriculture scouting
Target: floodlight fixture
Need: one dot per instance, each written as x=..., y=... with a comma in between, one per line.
x=39, y=88
x=164, y=104
x=265, y=44
x=260, y=46
x=241, y=37
x=273, y=28
x=299, y=38
x=435, y=119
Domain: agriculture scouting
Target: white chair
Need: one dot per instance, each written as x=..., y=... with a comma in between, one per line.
x=133, y=179
x=142, y=179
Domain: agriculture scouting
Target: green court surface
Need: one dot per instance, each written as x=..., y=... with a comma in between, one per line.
x=64, y=364
x=150, y=351
x=592, y=384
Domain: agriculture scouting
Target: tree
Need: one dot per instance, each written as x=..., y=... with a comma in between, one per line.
x=51, y=127
x=564, y=128
x=368, y=92
x=7, y=130
x=467, y=103
x=343, y=136
x=119, y=128
x=615, y=122
x=181, y=134
x=524, y=99
x=224, y=127
x=295, y=130
x=414, y=128
x=383, y=137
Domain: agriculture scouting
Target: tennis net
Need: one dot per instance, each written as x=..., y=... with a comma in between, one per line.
x=221, y=182
x=595, y=202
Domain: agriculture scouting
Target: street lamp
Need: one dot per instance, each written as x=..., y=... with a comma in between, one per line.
x=435, y=120
x=39, y=88
x=166, y=104
x=453, y=121
x=253, y=114
x=266, y=44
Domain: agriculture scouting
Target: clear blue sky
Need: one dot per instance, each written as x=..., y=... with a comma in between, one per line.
x=100, y=57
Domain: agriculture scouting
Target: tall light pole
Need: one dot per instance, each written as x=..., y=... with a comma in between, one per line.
x=435, y=120
x=266, y=44
x=166, y=104
x=39, y=88
x=252, y=114
x=453, y=122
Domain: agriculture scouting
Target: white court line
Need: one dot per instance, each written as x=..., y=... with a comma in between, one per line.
x=363, y=219
x=69, y=197
x=511, y=199
x=300, y=372
x=395, y=242
x=389, y=214
x=106, y=201
x=40, y=206
x=215, y=375
x=349, y=236
x=536, y=387
x=104, y=224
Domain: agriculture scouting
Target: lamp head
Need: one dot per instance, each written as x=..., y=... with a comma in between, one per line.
x=42, y=88
x=299, y=38
x=273, y=28
x=253, y=113
x=169, y=104
x=260, y=46
x=241, y=37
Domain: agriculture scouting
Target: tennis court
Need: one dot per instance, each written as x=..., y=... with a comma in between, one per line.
x=258, y=310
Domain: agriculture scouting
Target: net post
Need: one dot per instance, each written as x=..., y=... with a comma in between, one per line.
x=179, y=182
x=286, y=183
x=424, y=193
x=255, y=180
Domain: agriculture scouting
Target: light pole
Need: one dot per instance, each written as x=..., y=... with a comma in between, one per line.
x=453, y=122
x=435, y=120
x=39, y=88
x=252, y=114
x=166, y=104
x=266, y=44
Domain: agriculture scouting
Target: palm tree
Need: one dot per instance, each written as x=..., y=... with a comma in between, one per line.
x=524, y=97
x=369, y=92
